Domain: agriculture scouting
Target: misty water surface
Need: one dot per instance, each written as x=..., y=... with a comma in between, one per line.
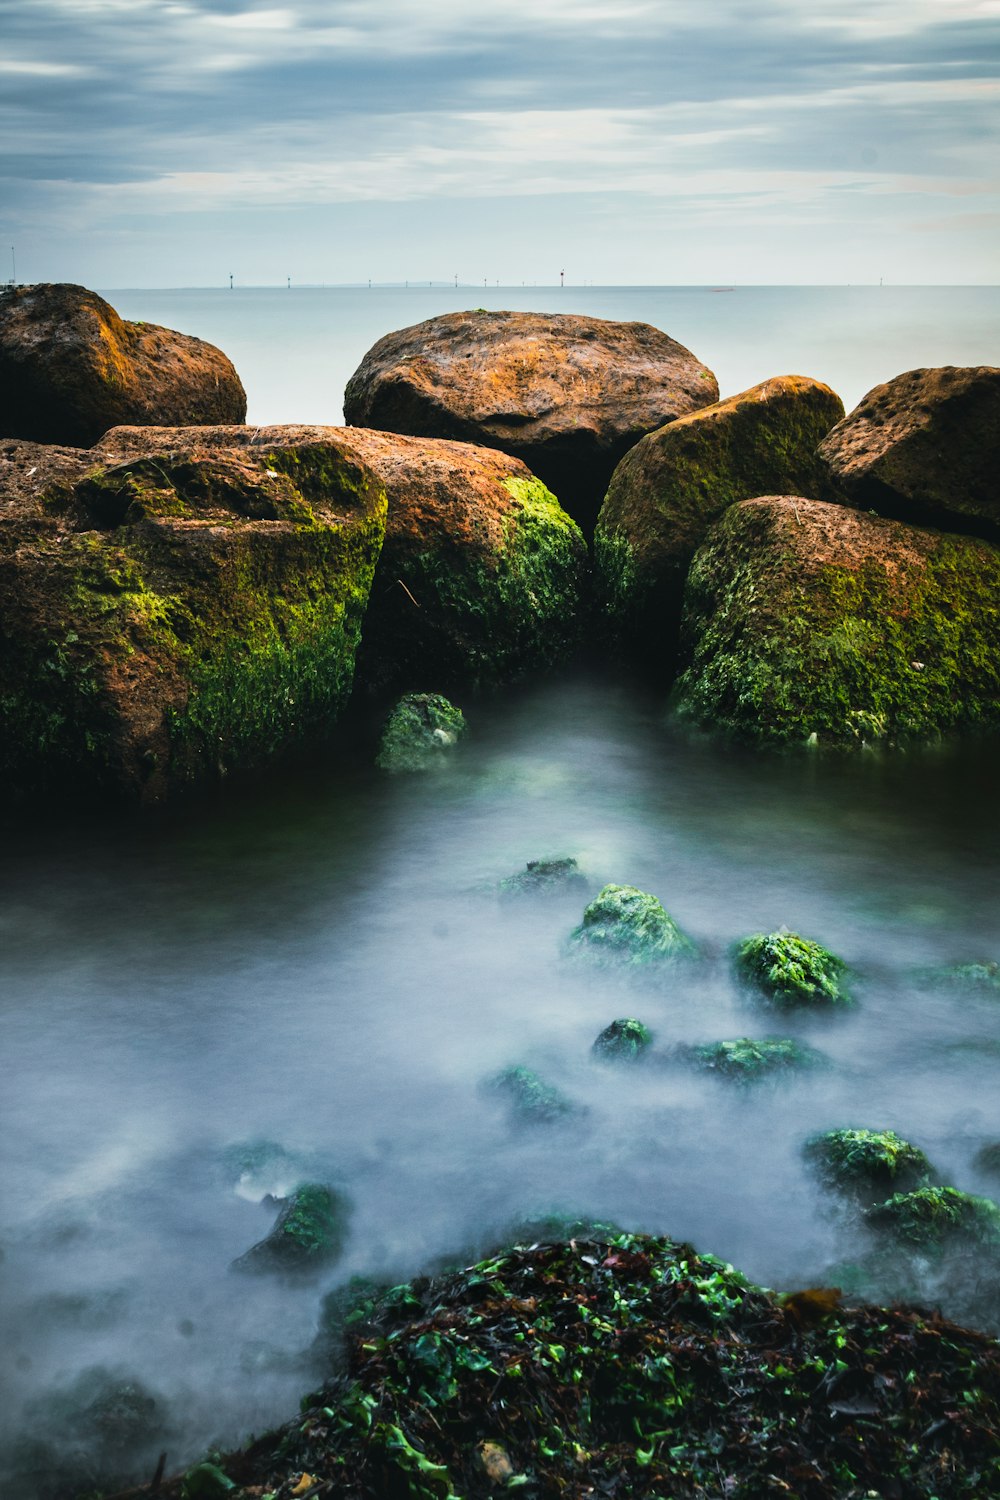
x=325, y=963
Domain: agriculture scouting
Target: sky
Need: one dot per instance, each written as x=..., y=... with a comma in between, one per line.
x=151, y=143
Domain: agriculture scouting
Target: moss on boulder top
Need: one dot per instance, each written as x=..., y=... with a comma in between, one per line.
x=482, y=575
x=422, y=730
x=624, y=925
x=870, y=1162
x=671, y=486
x=568, y=395
x=748, y=1059
x=71, y=368
x=177, y=603
x=932, y=1218
x=811, y=624
x=789, y=970
x=624, y=1040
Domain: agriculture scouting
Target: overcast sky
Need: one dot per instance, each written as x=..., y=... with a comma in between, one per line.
x=149, y=143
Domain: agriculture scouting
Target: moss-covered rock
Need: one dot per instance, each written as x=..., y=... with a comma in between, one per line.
x=924, y=447
x=931, y=1218
x=625, y=1040
x=308, y=1234
x=420, y=733
x=482, y=575
x=808, y=624
x=623, y=925
x=542, y=876
x=177, y=604
x=672, y=485
x=529, y=1099
x=71, y=368
x=872, y=1163
x=748, y=1059
x=970, y=978
x=788, y=970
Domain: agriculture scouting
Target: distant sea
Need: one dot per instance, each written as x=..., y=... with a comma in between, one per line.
x=296, y=347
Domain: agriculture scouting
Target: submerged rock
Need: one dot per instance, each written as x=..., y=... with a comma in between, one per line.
x=177, y=604
x=974, y=978
x=987, y=1158
x=70, y=368
x=873, y=1163
x=933, y=1217
x=789, y=970
x=307, y=1235
x=627, y=926
x=747, y=1059
x=924, y=447
x=568, y=395
x=542, y=876
x=808, y=624
x=482, y=573
x=422, y=730
x=95, y=1434
x=624, y=1040
x=672, y=485
x=531, y=1101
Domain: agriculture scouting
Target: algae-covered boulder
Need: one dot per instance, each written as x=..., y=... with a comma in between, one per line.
x=924, y=447
x=749, y=1059
x=529, y=1099
x=672, y=485
x=623, y=925
x=807, y=624
x=420, y=733
x=624, y=1040
x=70, y=368
x=307, y=1235
x=873, y=1163
x=176, y=604
x=789, y=970
x=482, y=573
x=542, y=876
x=568, y=395
x=931, y=1218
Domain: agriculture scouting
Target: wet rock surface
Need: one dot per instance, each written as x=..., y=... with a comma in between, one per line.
x=70, y=368
x=307, y=1235
x=568, y=395
x=420, y=733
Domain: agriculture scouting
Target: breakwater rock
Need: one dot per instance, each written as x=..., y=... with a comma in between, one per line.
x=71, y=368
x=567, y=395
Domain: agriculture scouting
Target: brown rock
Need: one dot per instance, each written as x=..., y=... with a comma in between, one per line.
x=667, y=491
x=924, y=447
x=70, y=368
x=568, y=395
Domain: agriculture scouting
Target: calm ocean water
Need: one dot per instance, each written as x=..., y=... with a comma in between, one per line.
x=322, y=962
x=295, y=349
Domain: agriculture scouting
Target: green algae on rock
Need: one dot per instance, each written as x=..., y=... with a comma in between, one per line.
x=789, y=970
x=930, y=1218
x=812, y=625
x=749, y=1059
x=307, y=1235
x=623, y=925
x=675, y=482
x=177, y=604
x=482, y=576
x=625, y=1040
x=870, y=1162
x=542, y=876
x=422, y=730
x=530, y=1099
x=627, y=1365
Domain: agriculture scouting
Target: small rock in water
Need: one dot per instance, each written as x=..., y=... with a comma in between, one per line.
x=531, y=1100
x=975, y=978
x=748, y=1059
x=933, y=1217
x=872, y=1162
x=422, y=730
x=308, y=1234
x=624, y=1040
x=627, y=926
x=543, y=875
x=789, y=970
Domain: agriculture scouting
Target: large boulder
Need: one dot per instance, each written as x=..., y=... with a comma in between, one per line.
x=70, y=368
x=924, y=447
x=808, y=624
x=177, y=603
x=568, y=395
x=482, y=572
x=667, y=491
